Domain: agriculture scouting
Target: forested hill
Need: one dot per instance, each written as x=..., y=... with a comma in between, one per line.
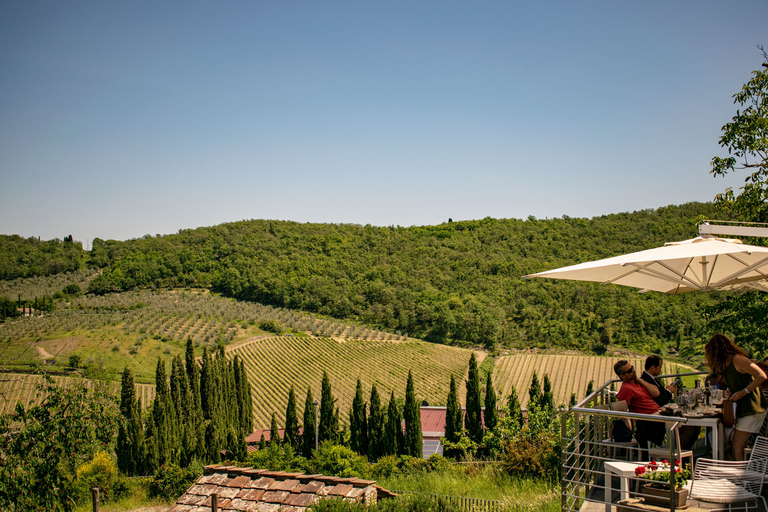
x=458, y=281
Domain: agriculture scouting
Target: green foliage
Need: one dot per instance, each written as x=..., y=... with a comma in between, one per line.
x=473, y=420
x=491, y=412
x=101, y=472
x=376, y=421
x=291, y=436
x=329, y=420
x=42, y=446
x=277, y=458
x=26, y=257
x=171, y=481
x=392, y=442
x=74, y=361
x=271, y=326
x=454, y=419
x=412, y=416
x=337, y=460
x=358, y=422
x=274, y=433
x=532, y=448
x=308, y=438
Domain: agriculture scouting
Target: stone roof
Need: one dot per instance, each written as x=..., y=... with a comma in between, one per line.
x=259, y=490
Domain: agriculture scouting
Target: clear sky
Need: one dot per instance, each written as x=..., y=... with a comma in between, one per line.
x=120, y=119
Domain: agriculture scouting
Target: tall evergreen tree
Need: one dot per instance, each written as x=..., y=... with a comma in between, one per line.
x=547, y=398
x=274, y=433
x=130, y=438
x=534, y=392
x=207, y=386
x=291, y=436
x=473, y=420
x=375, y=425
x=329, y=419
x=309, y=425
x=358, y=422
x=454, y=417
x=392, y=430
x=247, y=401
x=412, y=415
x=514, y=409
x=165, y=418
x=491, y=412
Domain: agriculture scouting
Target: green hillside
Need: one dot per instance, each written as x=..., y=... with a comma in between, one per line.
x=455, y=283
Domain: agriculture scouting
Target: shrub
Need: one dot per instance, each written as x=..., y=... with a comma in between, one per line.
x=277, y=458
x=531, y=456
x=171, y=481
x=337, y=460
x=271, y=326
x=101, y=472
x=74, y=361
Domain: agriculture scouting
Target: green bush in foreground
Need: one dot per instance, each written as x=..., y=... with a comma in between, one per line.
x=408, y=503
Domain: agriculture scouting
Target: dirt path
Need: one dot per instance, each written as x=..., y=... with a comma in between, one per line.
x=44, y=354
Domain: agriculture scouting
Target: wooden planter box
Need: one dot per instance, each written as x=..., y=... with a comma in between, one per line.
x=660, y=497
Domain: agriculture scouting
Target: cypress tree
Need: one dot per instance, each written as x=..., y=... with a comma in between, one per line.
x=329, y=420
x=309, y=425
x=375, y=425
x=392, y=429
x=291, y=436
x=130, y=437
x=473, y=420
x=274, y=433
x=453, y=417
x=165, y=418
x=412, y=415
x=491, y=412
x=547, y=398
x=514, y=410
x=247, y=401
x=534, y=393
x=207, y=386
x=358, y=423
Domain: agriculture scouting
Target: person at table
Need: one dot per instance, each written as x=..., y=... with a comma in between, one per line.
x=652, y=371
x=653, y=363
x=743, y=378
x=639, y=396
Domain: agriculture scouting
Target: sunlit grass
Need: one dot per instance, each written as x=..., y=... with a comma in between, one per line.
x=482, y=482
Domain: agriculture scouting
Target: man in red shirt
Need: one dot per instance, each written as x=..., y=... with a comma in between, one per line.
x=639, y=395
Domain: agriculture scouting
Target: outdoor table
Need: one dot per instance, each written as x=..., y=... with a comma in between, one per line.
x=624, y=470
x=714, y=423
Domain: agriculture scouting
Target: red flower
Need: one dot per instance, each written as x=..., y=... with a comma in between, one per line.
x=664, y=461
x=639, y=470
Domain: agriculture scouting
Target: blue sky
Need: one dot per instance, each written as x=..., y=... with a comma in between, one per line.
x=120, y=119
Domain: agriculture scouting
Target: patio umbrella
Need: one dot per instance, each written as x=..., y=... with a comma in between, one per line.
x=700, y=264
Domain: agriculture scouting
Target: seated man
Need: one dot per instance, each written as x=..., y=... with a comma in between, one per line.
x=653, y=363
x=639, y=396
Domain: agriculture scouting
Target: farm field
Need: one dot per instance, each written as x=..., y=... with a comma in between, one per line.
x=568, y=373
x=274, y=364
x=135, y=328
x=23, y=387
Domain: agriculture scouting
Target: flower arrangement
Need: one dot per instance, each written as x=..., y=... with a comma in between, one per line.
x=657, y=473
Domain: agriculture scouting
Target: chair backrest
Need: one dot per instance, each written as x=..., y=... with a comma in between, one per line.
x=758, y=459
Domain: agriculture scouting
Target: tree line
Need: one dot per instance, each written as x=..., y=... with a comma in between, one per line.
x=200, y=413
x=457, y=282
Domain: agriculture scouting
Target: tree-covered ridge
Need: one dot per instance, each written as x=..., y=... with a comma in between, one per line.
x=457, y=281
x=27, y=257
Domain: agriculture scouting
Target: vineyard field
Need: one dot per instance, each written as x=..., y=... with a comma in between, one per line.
x=567, y=373
x=274, y=364
x=23, y=387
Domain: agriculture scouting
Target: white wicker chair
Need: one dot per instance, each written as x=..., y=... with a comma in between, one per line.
x=731, y=482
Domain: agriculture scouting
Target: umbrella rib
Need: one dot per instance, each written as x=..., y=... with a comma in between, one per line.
x=664, y=277
x=744, y=270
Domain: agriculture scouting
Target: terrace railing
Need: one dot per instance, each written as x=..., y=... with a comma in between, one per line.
x=586, y=446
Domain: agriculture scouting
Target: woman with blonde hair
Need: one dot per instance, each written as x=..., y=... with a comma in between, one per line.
x=743, y=378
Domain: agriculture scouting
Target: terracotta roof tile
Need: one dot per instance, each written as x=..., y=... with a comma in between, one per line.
x=301, y=500
x=255, y=490
x=239, y=481
x=340, y=490
x=314, y=487
x=262, y=483
x=284, y=485
x=251, y=494
x=275, y=496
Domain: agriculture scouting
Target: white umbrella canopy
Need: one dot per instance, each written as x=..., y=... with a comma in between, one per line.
x=700, y=264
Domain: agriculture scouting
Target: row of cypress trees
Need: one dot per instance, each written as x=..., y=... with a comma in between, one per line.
x=375, y=429
x=199, y=412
